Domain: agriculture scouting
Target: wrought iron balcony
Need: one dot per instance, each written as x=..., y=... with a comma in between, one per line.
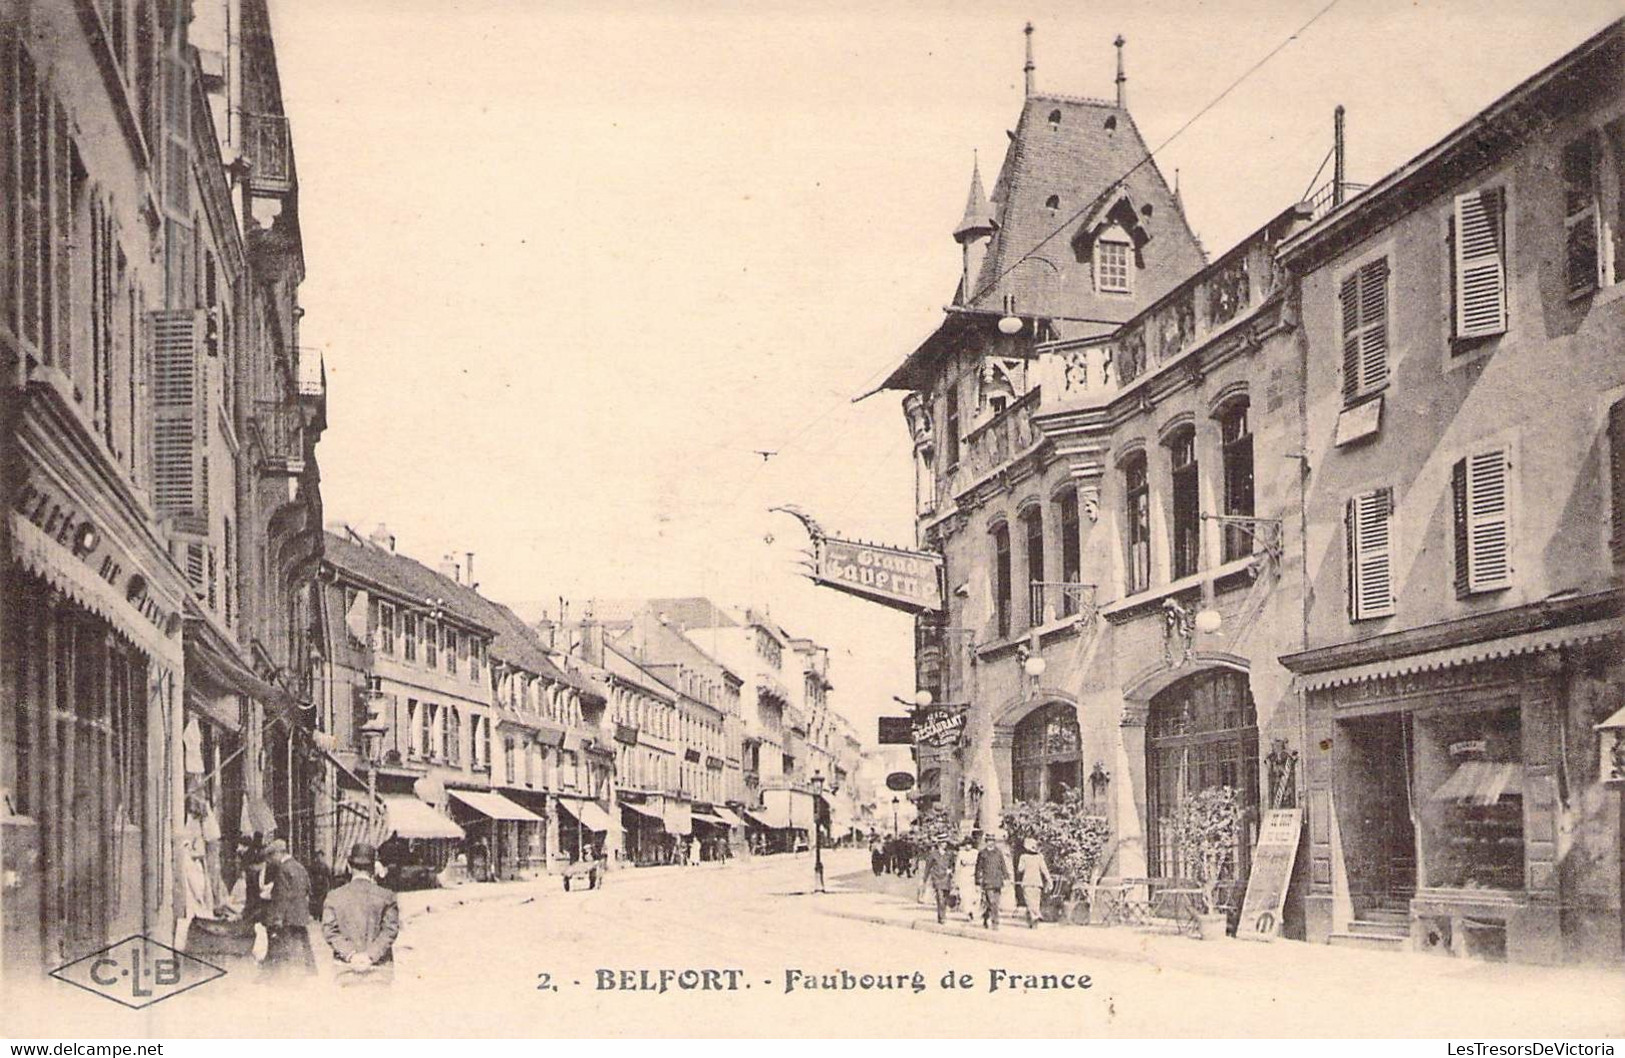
x=1327, y=197
x=1053, y=600
x=280, y=431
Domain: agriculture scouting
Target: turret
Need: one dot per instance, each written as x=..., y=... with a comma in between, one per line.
x=973, y=233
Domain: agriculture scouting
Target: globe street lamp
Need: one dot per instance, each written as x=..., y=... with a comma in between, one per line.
x=818, y=834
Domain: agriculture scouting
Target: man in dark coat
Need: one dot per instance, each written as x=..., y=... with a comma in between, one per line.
x=992, y=874
x=939, y=875
x=287, y=920
x=361, y=921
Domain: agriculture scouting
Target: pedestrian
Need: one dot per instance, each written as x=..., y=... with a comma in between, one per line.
x=360, y=922
x=965, y=879
x=321, y=880
x=287, y=919
x=1033, y=876
x=877, y=856
x=939, y=876
x=991, y=874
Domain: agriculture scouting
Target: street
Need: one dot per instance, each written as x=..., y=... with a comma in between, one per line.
x=529, y=959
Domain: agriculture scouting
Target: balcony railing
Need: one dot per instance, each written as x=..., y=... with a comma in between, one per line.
x=280, y=430
x=1325, y=198
x=1000, y=440
x=270, y=150
x=1053, y=600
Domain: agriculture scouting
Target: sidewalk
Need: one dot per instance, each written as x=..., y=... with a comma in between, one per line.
x=423, y=901
x=888, y=901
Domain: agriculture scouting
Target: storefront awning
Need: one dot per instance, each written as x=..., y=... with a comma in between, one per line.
x=589, y=815
x=495, y=806
x=727, y=817
x=411, y=818
x=706, y=817
x=1466, y=654
x=646, y=813
x=770, y=819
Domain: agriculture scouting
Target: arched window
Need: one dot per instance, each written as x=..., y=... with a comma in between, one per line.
x=1202, y=732
x=1001, y=577
x=1137, y=540
x=1237, y=437
x=1046, y=756
x=1187, y=522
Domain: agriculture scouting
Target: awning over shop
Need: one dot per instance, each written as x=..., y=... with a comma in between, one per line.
x=495, y=806
x=411, y=818
x=589, y=815
x=727, y=817
x=706, y=817
x=678, y=817
x=645, y=813
x=777, y=818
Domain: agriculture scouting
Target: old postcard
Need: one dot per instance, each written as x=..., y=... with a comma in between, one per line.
x=806, y=520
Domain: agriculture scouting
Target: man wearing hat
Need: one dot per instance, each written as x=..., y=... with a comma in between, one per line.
x=287, y=918
x=361, y=921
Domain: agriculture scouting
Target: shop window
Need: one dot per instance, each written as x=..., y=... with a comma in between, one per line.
x=1187, y=504
x=1032, y=523
x=1469, y=799
x=1368, y=539
x=1137, y=495
x=1001, y=578
x=1236, y=434
x=1364, y=302
x=1483, y=538
x=1201, y=732
x=1046, y=753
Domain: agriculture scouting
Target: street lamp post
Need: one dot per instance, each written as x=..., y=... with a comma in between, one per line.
x=895, y=801
x=818, y=835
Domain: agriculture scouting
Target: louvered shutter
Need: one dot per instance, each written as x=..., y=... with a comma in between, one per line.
x=1616, y=451
x=176, y=436
x=1480, y=262
x=1350, y=295
x=1351, y=540
x=1489, y=537
x=1372, y=582
x=1374, y=325
x=1458, y=507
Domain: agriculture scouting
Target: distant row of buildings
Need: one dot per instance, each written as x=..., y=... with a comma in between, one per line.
x=1333, y=518
x=669, y=731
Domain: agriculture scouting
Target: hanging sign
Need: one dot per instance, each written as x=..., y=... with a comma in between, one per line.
x=903, y=580
x=1273, y=857
x=939, y=728
x=896, y=731
x=1611, y=746
x=900, y=782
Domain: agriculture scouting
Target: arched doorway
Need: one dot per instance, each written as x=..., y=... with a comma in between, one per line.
x=1201, y=732
x=1046, y=753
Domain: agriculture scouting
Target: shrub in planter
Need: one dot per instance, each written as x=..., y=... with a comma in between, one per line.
x=1206, y=829
x=1072, y=837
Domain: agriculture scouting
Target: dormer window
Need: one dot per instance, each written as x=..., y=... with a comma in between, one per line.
x=1113, y=269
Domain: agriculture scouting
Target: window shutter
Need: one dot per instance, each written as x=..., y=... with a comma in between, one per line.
x=177, y=468
x=194, y=568
x=1616, y=451
x=1489, y=540
x=1374, y=324
x=1480, y=259
x=1372, y=573
x=1351, y=336
x=1458, y=506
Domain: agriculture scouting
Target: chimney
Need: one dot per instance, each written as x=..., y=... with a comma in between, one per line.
x=545, y=631
x=468, y=568
x=382, y=538
x=592, y=642
x=448, y=568
x=1122, y=78
x=1027, y=70
x=1339, y=174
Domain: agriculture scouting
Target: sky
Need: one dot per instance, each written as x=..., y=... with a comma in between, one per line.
x=573, y=266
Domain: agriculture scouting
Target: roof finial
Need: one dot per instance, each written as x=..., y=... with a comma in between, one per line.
x=1027, y=70
x=1122, y=78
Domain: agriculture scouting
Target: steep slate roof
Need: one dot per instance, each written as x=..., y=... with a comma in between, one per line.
x=666, y=645
x=978, y=211
x=516, y=643
x=1078, y=159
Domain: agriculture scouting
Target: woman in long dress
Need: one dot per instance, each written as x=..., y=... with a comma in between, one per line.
x=965, y=878
x=1033, y=876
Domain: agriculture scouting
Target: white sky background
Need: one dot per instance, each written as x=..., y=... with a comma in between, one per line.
x=572, y=263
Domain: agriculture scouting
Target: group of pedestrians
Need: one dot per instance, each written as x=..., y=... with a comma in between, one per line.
x=899, y=854
x=954, y=875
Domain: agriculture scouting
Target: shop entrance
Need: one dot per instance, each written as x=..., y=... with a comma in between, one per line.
x=1374, y=811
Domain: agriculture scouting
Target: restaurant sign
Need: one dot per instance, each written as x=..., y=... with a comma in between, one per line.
x=939, y=729
x=904, y=580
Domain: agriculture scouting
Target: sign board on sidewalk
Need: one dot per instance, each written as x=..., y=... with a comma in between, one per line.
x=1273, y=857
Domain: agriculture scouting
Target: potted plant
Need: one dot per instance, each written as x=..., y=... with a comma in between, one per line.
x=1072, y=838
x=1206, y=829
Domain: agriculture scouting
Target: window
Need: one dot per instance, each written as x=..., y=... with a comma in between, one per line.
x=1187, y=504
x=1137, y=494
x=1478, y=252
x=1001, y=578
x=386, y=628
x=1483, y=536
x=1581, y=214
x=950, y=425
x=1200, y=732
x=1469, y=781
x=1616, y=483
x=451, y=735
x=1236, y=435
x=452, y=646
x=1032, y=523
x=426, y=728
x=1368, y=533
x=1364, y=297
x=410, y=622
x=1112, y=273
x=1046, y=753
x=431, y=643
x=476, y=648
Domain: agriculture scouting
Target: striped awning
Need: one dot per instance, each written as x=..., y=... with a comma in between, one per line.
x=727, y=817
x=495, y=806
x=1467, y=654
x=411, y=818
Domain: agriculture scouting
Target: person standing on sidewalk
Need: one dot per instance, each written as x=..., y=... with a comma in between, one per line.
x=939, y=875
x=360, y=922
x=992, y=872
x=965, y=878
x=1033, y=876
x=287, y=921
